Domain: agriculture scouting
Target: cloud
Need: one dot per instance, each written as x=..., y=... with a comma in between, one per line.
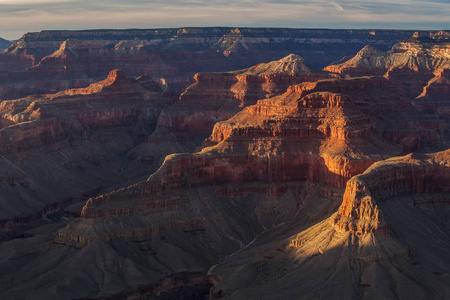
x=20, y=16
x=337, y=6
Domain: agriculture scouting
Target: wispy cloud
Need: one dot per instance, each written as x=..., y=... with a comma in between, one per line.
x=20, y=16
x=337, y=6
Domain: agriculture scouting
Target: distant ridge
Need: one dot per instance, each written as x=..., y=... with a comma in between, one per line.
x=220, y=30
x=224, y=40
x=4, y=44
x=421, y=51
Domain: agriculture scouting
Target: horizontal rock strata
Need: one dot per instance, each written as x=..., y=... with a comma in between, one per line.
x=407, y=175
x=48, y=142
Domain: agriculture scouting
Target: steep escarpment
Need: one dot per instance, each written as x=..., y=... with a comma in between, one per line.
x=40, y=44
x=417, y=69
x=57, y=147
x=425, y=175
x=395, y=118
x=77, y=63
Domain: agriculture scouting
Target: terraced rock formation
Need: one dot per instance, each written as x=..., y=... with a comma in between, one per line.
x=424, y=175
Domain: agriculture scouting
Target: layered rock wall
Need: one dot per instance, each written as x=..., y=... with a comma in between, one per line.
x=77, y=138
x=407, y=175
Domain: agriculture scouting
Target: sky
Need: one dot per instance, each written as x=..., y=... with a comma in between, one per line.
x=18, y=17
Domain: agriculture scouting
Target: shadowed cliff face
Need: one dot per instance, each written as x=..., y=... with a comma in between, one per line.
x=57, y=147
x=393, y=217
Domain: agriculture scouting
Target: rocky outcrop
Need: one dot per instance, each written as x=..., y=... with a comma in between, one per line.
x=396, y=120
x=36, y=121
x=395, y=177
x=94, y=58
x=326, y=132
x=368, y=61
x=396, y=219
x=393, y=218
x=258, y=204
x=77, y=63
x=40, y=44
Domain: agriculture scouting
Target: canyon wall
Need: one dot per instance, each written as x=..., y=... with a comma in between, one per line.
x=58, y=147
x=395, y=177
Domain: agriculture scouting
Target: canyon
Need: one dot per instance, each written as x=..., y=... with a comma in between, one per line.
x=247, y=163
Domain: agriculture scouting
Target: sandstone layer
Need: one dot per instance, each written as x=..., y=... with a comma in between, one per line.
x=435, y=96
